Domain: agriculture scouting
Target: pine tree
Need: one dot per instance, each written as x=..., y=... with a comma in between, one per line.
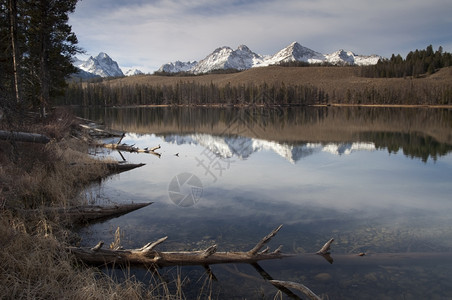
x=51, y=45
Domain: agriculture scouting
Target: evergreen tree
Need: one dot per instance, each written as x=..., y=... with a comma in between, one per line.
x=415, y=64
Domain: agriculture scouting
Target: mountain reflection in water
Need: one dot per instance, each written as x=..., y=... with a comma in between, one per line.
x=418, y=132
x=244, y=147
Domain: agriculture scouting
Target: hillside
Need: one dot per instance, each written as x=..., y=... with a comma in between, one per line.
x=342, y=84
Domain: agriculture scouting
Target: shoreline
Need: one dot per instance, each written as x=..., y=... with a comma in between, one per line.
x=218, y=105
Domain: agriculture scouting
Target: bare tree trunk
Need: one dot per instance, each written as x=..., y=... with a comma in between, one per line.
x=12, y=5
x=44, y=79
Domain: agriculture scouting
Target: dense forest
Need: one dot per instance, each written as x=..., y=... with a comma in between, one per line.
x=416, y=63
x=36, y=49
x=191, y=93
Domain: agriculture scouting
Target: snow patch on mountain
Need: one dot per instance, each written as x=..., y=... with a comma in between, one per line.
x=133, y=72
x=178, y=66
x=243, y=58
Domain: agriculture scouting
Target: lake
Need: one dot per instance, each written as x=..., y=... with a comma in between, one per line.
x=377, y=180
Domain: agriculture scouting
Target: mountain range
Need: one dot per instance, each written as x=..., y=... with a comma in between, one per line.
x=243, y=58
x=223, y=58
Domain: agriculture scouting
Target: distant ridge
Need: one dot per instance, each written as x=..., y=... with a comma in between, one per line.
x=243, y=58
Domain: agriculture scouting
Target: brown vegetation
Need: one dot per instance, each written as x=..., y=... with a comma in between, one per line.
x=280, y=86
x=326, y=78
x=33, y=261
x=34, y=265
x=34, y=175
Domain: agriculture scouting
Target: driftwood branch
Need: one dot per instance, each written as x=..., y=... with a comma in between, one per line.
x=297, y=286
x=96, y=132
x=121, y=167
x=146, y=256
x=98, y=246
x=324, y=250
x=150, y=246
x=265, y=240
x=132, y=148
x=268, y=277
x=24, y=137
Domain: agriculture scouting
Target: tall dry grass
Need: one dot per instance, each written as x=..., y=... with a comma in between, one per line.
x=36, y=266
x=33, y=261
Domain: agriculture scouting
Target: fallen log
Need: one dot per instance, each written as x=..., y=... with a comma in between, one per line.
x=94, y=131
x=118, y=168
x=147, y=257
x=87, y=213
x=129, y=148
x=24, y=137
x=91, y=213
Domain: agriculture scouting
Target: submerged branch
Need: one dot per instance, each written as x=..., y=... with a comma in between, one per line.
x=297, y=286
x=324, y=250
x=84, y=214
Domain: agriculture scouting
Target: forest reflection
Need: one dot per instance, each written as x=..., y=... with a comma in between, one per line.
x=421, y=133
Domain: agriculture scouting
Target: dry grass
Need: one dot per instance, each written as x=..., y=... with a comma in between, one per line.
x=34, y=175
x=33, y=261
x=36, y=266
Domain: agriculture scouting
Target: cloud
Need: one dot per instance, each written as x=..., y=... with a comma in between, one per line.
x=151, y=33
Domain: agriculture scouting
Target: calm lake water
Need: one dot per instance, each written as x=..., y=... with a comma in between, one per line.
x=377, y=180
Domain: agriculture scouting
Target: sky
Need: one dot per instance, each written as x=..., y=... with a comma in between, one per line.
x=149, y=33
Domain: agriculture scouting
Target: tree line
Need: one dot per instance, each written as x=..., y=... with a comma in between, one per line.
x=36, y=50
x=416, y=63
x=191, y=93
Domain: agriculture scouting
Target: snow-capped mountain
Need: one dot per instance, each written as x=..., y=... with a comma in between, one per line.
x=243, y=58
x=225, y=58
x=132, y=72
x=295, y=52
x=101, y=65
x=243, y=147
x=342, y=57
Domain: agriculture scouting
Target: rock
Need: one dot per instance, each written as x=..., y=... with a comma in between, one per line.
x=323, y=277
